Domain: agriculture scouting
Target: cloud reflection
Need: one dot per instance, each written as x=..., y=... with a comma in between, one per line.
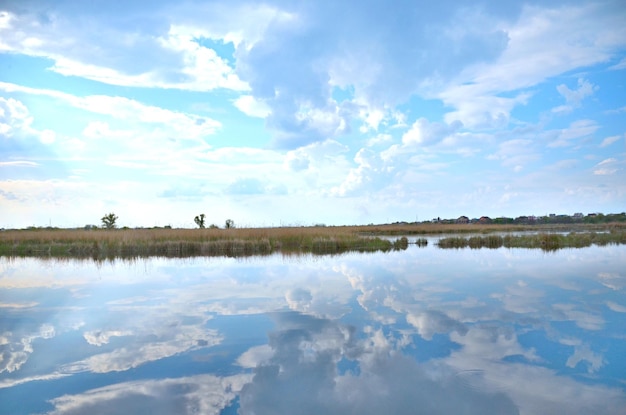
x=15, y=348
x=349, y=334
x=301, y=377
x=203, y=394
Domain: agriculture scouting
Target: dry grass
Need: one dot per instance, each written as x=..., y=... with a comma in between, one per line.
x=185, y=242
x=235, y=242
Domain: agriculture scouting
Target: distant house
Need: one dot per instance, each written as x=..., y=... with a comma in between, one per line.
x=462, y=219
x=484, y=220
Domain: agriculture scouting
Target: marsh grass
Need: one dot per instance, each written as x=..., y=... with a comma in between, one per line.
x=544, y=241
x=126, y=243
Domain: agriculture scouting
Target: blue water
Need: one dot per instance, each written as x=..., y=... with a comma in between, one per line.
x=425, y=330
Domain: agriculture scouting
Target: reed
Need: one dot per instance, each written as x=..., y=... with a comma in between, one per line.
x=544, y=241
x=189, y=242
x=103, y=243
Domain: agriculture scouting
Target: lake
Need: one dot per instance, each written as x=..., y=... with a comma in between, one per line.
x=425, y=330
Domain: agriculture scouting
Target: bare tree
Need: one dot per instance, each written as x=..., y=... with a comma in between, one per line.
x=229, y=224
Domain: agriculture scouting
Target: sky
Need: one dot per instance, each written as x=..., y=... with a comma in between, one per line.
x=284, y=113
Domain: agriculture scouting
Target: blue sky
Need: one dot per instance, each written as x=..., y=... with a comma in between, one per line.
x=296, y=113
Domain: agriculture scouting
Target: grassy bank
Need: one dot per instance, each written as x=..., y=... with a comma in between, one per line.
x=126, y=243
x=544, y=241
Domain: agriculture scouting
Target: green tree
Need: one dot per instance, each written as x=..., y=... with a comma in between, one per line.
x=108, y=220
x=229, y=224
x=199, y=220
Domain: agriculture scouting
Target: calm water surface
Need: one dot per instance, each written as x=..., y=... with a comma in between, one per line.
x=425, y=330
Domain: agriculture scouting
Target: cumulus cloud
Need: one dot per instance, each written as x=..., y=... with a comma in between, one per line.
x=297, y=161
x=372, y=173
x=14, y=116
x=380, y=76
x=252, y=107
x=425, y=133
x=560, y=38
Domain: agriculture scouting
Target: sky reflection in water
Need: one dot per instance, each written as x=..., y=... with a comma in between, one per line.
x=419, y=331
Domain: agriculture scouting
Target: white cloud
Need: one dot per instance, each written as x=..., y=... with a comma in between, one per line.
x=18, y=163
x=379, y=139
x=117, y=128
x=575, y=97
x=171, y=60
x=576, y=130
x=252, y=106
x=372, y=119
x=618, y=308
x=372, y=173
x=425, y=133
x=619, y=66
x=610, y=140
x=14, y=116
x=479, y=112
x=187, y=125
x=542, y=43
x=297, y=160
x=516, y=153
x=243, y=25
x=606, y=167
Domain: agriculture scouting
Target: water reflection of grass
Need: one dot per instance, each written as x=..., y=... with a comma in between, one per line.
x=544, y=241
x=126, y=243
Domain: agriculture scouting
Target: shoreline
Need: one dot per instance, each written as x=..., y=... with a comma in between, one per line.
x=319, y=240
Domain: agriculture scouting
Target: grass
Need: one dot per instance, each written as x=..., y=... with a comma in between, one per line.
x=544, y=241
x=128, y=243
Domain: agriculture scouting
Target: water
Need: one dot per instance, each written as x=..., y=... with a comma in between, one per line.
x=425, y=330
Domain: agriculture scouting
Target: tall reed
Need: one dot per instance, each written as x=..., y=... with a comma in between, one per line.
x=544, y=241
